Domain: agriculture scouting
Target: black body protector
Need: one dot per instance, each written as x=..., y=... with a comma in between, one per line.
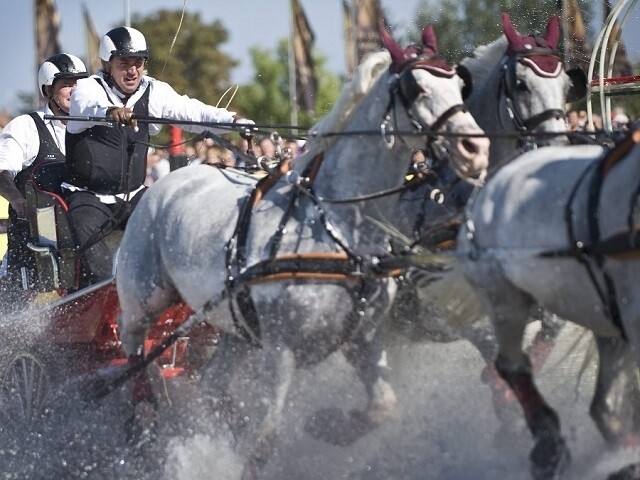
x=48, y=152
x=99, y=158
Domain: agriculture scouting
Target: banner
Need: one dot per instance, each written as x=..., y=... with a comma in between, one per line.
x=92, y=40
x=369, y=19
x=303, y=38
x=47, y=28
x=576, y=46
x=349, y=39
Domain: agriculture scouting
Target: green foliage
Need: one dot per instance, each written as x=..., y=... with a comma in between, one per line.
x=195, y=65
x=267, y=99
x=462, y=25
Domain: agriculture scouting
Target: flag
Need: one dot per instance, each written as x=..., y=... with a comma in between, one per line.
x=93, y=41
x=577, y=46
x=369, y=19
x=303, y=38
x=621, y=64
x=349, y=38
x=47, y=28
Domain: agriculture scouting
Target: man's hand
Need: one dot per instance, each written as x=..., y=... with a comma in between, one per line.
x=123, y=116
x=245, y=132
x=19, y=204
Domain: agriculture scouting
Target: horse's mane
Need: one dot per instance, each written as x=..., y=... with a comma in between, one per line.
x=350, y=97
x=484, y=60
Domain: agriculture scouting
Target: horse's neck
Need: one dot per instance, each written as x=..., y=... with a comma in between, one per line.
x=619, y=193
x=487, y=107
x=357, y=165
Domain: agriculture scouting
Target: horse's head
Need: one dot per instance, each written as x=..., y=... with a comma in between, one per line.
x=430, y=90
x=535, y=85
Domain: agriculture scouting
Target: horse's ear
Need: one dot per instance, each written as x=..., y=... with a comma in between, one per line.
x=553, y=32
x=429, y=39
x=465, y=75
x=578, y=88
x=510, y=32
x=397, y=53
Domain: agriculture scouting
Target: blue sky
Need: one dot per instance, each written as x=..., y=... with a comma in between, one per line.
x=249, y=22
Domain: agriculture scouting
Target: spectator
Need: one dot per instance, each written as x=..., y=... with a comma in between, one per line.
x=106, y=164
x=573, y=121
x=29, y=140
x=158, y=166
x=267, y=148
x=200, y=152
x=619, y=120
x=583, y=120
x=597, y=123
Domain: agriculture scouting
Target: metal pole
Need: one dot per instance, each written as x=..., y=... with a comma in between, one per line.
x=127, y=13
x=293, y=94
x=566, y=34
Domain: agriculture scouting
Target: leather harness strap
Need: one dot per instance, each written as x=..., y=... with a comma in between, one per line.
x=311, y=266
x=620, y=151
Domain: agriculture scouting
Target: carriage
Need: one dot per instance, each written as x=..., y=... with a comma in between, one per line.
x=68, y=331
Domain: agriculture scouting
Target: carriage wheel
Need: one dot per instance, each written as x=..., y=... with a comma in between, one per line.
x=25, y=388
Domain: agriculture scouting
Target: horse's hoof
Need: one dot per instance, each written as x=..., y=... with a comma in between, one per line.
x=331, y=425
x=549, y=458
x=141, y=425
x=630, y=472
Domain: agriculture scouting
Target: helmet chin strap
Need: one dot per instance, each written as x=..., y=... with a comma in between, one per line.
x=114, y=86
x=57, y=109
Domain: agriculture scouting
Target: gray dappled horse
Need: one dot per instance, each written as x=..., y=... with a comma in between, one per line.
x=520, y=89
x=305, y=263
x=558, y=228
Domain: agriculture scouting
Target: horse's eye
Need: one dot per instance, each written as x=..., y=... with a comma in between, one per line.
x=521, y=86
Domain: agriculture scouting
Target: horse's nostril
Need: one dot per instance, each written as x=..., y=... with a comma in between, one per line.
x=469, y=146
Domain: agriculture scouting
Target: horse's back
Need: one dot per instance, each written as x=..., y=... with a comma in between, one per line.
x=524, y=204
x=177, y=235
x=523, y=213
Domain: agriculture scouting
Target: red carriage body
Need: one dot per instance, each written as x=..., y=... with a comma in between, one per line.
x=71, y=332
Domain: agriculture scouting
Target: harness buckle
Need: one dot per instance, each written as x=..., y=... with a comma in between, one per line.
x=389, y=140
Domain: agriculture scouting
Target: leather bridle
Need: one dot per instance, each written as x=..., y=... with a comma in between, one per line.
x=524, y=126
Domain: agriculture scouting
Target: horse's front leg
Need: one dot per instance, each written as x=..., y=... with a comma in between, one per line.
x=365, y=352
x=550, y=455
x=509, y=310
x=276, y=372
x=616, y=401
x=217, y=374
x=140, y=309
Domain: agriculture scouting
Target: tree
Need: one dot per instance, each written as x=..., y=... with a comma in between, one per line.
x=267, y=99
x=462, y=25
x=195, y=65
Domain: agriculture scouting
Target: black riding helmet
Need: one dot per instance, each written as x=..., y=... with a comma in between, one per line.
x=123, y=42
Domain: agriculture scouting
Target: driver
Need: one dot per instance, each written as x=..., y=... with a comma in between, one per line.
x=27, y=141
x=106, y=162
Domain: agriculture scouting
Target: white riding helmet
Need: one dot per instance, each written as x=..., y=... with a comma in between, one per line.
x=123, y=42
x=60, y=65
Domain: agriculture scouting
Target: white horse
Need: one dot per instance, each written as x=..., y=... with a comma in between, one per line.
x=521, y=88
x=518, y=93
x=305, y=259
x=558, y=228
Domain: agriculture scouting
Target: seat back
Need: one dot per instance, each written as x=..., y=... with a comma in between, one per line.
x=57, y=262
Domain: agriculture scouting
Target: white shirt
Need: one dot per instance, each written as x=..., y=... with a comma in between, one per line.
x=20, y=142
x=89, y=100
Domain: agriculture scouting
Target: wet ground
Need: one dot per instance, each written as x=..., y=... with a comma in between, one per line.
x=445, y=427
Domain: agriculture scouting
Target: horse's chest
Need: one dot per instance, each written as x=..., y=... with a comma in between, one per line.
x=279, y=227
